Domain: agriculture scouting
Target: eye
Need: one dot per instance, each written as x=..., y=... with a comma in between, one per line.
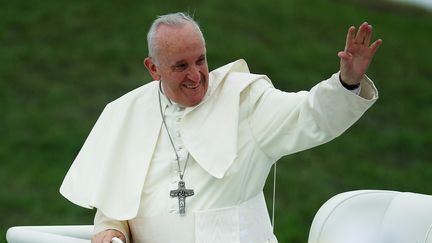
x=180, y=67
x=201, y=60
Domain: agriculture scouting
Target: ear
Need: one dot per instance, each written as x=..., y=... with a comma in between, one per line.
x=152, y=68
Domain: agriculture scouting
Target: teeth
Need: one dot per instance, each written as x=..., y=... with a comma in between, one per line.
x=191, y=86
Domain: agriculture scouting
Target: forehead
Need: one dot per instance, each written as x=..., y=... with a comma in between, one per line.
x=180, y=40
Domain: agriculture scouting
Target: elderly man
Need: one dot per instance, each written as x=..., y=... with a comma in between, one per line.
x=184, y=158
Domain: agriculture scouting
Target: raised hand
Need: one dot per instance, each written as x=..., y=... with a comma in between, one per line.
x=355, y=59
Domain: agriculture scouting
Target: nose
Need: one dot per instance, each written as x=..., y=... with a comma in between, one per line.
x=194, y=74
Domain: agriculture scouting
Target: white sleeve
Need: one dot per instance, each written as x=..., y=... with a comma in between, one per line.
x=286, y=122
x=102, y=222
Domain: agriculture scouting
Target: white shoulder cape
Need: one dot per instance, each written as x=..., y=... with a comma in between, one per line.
x=110, y=170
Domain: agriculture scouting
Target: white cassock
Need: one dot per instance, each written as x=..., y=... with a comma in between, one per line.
x=127, y=165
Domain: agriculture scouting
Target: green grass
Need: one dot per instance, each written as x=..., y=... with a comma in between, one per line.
x=61, y=62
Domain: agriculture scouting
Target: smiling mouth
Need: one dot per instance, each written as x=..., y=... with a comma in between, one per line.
x=192, y=85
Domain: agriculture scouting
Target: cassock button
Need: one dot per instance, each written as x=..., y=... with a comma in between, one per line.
x=178, y=134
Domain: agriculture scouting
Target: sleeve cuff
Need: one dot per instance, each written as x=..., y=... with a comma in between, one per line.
x=102, y=223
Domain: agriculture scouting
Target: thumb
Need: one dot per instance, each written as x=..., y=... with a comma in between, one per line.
x=345, y=55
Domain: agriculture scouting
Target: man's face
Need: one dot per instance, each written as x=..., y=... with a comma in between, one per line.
x=181, y=64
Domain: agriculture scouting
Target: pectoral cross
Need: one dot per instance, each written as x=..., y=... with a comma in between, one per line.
x=181, y=193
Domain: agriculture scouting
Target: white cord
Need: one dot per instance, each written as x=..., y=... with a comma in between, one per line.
x=274, y=194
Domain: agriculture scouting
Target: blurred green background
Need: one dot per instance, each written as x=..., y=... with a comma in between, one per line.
x=62, y=61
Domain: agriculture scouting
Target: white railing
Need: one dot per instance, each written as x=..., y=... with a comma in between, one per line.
x=50, y=234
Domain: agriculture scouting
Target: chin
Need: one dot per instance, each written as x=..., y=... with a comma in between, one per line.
x=193, y=102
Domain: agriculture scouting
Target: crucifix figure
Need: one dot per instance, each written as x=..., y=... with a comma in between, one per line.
x=181, y=193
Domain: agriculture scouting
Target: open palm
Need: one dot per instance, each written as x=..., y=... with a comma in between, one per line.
x=357, y=56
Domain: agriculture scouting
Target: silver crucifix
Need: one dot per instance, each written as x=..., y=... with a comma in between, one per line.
x=181, y=193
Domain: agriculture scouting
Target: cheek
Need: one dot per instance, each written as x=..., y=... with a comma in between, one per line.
x=176, y=80
x=204, y=71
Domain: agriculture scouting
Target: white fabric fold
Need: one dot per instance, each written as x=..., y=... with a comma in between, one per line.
x=221, y=112
x=111, y=168
x=118, y=150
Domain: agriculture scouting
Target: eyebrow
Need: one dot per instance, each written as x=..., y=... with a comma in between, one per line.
x=184, y=61
x=179, y=62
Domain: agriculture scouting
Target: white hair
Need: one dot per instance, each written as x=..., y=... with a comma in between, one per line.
x=172, y=19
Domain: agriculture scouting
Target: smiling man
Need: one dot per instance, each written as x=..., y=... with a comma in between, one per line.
x=178, y=59
x=185, y=158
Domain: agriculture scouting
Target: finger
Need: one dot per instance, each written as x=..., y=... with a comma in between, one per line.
x=120, y=237
x=107, y=239
x=108, y=236
x=359, y=39
x=115, y=234
x=344, y=55
x=368, y=35
x=374, y=47
x=350, y=37
x=97, y=238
